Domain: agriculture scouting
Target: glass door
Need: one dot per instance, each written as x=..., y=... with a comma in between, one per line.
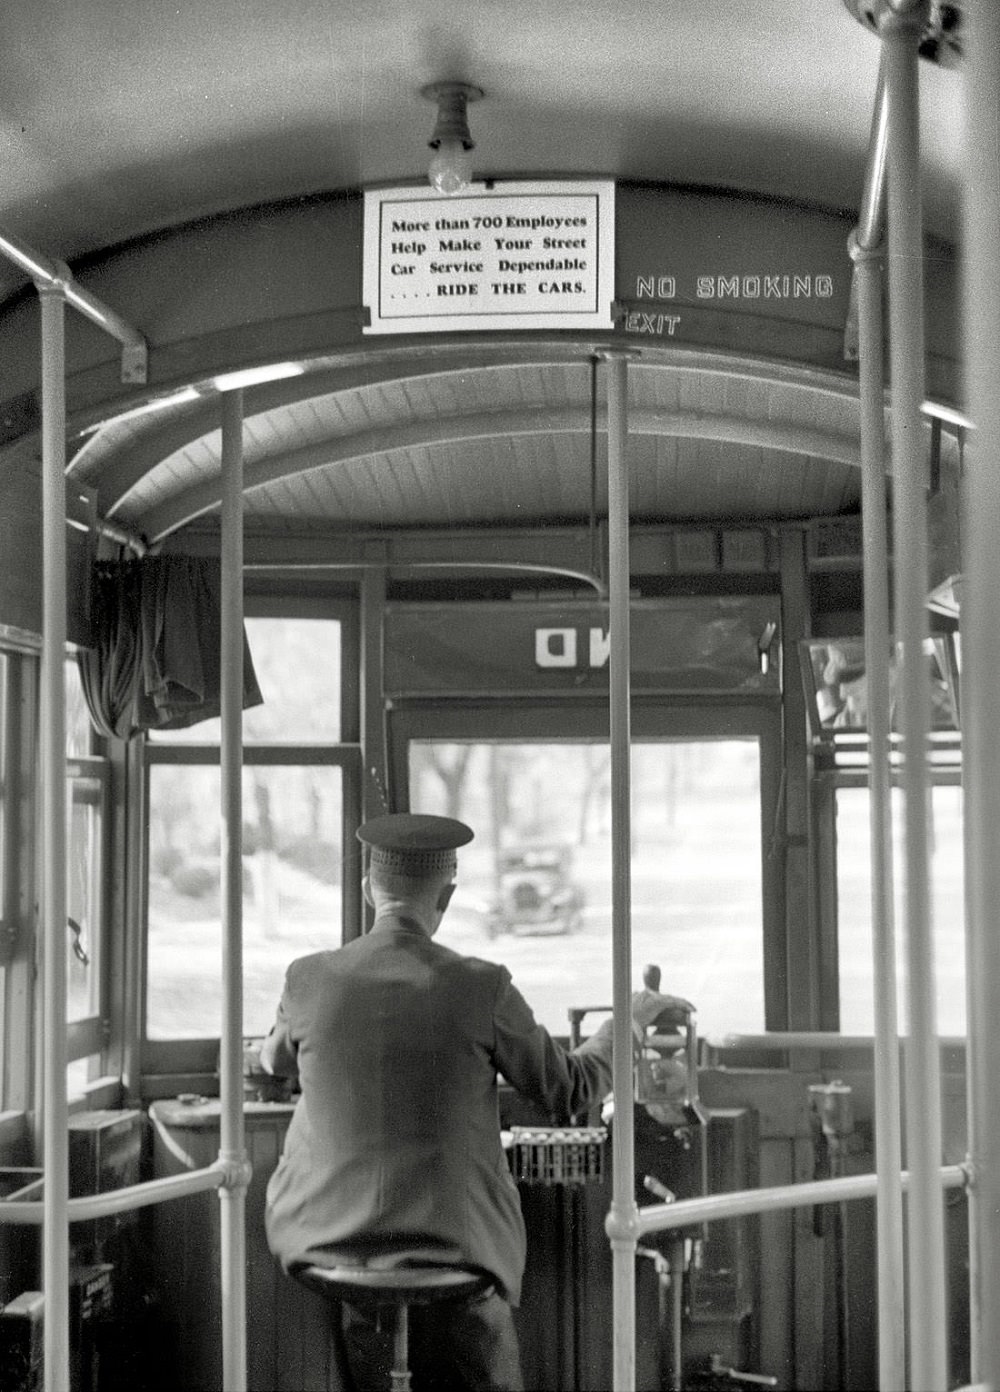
x=534, y=889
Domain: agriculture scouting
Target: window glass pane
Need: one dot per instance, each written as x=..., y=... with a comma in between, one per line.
x=77, y=716
x=534, y=887
x=291, y=890
x=84, y=881
x=6, y=871
x=81, y=1072
x=297, y=662
x=5, y=775
x=839, y=694
x=857, y=1010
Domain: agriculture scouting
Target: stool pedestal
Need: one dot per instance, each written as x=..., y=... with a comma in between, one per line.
x=395, y=1290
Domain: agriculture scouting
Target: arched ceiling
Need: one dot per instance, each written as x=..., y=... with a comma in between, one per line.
x=119, y=121
x=512, y=441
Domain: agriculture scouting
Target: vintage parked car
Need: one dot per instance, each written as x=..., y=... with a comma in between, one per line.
x=536, y=893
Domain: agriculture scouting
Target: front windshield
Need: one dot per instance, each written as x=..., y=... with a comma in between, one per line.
x=534, y=887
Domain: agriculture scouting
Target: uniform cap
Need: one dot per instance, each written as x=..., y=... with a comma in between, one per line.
x=414, y=843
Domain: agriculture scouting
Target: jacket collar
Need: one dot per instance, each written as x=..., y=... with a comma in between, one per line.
x=396, y=923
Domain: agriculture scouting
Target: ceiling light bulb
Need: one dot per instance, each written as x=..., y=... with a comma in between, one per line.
x=450, y=169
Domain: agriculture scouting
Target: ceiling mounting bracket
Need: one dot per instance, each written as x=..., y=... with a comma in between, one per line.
x=941, y=40
x=135, y=364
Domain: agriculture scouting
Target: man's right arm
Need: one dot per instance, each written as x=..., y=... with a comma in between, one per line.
x=279, y=1054
x=563, y=1082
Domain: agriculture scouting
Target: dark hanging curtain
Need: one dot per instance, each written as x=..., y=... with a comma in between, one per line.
x=154, y=663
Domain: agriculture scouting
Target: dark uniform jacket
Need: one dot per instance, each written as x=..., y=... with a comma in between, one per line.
x=394, y=1151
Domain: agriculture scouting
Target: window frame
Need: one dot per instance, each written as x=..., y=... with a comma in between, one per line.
x=169, y=1065
x=89, y=1037
x=19, y=735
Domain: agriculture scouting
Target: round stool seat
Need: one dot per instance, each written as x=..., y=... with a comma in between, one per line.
x=401, y=1285
x=396, y=1289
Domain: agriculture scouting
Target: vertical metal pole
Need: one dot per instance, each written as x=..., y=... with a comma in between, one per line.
x=888, y=1146
x=232, y=1138
x=624, y=1211
x=980, y=664
x=928, y=1354
x=55, y=1142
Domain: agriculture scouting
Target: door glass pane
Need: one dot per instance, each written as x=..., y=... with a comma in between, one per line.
x=534, y=887
x=291, y=890
x=854, y=919
x=84, y=879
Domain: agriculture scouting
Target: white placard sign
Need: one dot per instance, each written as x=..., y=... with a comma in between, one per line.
x=509, y=256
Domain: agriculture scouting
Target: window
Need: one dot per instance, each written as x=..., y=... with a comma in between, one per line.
x=86, y=798
x=857, y=1014
x=7, y=935
x=79, y=730
x=18, y=706
x=88, y=927
x=837, y=686
x=87, y=816
x=297, y=782
x=292, y=820
x=534, y=887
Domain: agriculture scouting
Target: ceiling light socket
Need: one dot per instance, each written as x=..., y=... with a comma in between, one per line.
x=452, y=99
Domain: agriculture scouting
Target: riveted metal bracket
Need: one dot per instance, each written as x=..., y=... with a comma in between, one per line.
x=237, y=1171
x=941, y=23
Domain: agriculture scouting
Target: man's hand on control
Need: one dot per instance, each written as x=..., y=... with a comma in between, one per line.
x=648, y=1006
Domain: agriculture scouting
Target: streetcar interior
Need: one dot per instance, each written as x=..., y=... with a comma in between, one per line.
x=425, y=518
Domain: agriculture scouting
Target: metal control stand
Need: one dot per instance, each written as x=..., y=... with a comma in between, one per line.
x=671, y=1134
x=670, y=1268
x=833, y=1113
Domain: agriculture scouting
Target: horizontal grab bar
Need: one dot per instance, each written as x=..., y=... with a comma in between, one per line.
x=782, y=1040
x=742, y=1202
x=124, y=1200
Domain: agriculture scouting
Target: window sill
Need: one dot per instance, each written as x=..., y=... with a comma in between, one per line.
x=102, y=1092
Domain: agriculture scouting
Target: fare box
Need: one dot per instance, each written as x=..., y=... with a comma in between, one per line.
x=502, y=256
